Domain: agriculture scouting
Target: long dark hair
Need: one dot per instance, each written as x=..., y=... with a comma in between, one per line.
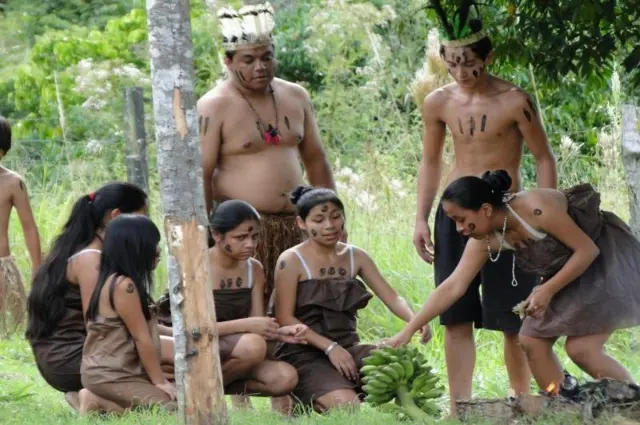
x=129, y=250
x=230, y=214
x=307, y=197
x=471, y=192
x=45, y=305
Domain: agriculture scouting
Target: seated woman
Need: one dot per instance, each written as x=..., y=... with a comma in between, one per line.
x=317, y=285
x=588, y=259
x=238, y=293
x=63, y=285
x=122, y=355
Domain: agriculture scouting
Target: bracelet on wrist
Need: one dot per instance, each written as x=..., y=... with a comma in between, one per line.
x=330, y=348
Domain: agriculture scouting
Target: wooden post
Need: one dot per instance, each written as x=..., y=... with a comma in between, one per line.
x=137, y=169
x=631, y=161
x=197, y=362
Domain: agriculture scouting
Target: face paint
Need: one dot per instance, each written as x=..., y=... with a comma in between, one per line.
x=314, y=233
x=342, y=271
x=475, y=74
x=325, y=208
x=460, y=126
x=537, y=212
x=229, y=282
x=286, y=122
x=222, y=284
x=250, y=228
x=238, y=282
x=472, y=227
x=531, y=106
x=323, y=271
x=484, y=123
x=527, y=114
x=472, y=125
x=240, y=76
x=282, y=264
x=228, y=248
x=332, y=270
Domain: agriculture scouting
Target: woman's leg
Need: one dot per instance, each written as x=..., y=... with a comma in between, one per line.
x=274, y=378
x=588, y=353
x=338, y=398
x=250, y=350
x=89, y=402
x=517, y=366
x=543, y=362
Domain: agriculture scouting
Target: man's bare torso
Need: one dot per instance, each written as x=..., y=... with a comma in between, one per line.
x=248, y=168
x=8, y=181
x=484, y=131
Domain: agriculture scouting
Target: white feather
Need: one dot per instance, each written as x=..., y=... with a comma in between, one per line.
x=251, y=25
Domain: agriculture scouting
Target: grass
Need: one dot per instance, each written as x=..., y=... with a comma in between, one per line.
x=380, y=214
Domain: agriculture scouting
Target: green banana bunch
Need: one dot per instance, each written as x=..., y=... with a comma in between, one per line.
x=401, y=374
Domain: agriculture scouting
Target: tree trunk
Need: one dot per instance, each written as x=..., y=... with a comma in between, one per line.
x=631, y=161
x=137, y=169
x=197, y=362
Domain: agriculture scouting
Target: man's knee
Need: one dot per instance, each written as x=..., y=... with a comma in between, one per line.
x=251, y=348
x=459, y=331
x=338, y=398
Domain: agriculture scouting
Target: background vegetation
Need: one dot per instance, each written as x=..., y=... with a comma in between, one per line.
x=368, y=64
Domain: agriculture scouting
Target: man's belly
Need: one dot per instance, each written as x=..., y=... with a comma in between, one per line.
x=475, y=169
x=265, y=183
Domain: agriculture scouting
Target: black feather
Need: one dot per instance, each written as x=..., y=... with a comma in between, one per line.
x=442, y=16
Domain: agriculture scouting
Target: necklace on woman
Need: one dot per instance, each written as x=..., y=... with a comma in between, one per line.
x=514, y=281
x=270, y=134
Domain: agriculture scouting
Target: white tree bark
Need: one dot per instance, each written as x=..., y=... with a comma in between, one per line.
x=631, y=161
x=197, y=362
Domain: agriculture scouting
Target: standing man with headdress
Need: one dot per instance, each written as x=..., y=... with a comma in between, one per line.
x=254, y=130
x=489, y=119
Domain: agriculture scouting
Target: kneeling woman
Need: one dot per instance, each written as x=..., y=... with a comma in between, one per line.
x=588, y=259
x=317, y=284
x=121, y=359
x=62, y=287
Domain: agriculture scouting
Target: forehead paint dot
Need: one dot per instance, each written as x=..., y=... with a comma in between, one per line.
x=325, y=208
x=251, y=228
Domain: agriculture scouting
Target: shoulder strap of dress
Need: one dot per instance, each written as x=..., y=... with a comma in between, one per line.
x=250, y=273
x=84, y=251
x=353, y=272
x=304, y=263
x=536, y=234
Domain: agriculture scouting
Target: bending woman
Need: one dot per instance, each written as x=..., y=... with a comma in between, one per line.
x=588, y=259
x=63, y=285
x=317, y=284
x=122, y=355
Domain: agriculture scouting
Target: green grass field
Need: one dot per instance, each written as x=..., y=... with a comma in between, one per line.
x=380, y=214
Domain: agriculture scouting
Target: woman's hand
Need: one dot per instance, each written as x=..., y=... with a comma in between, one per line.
x=293, y=334
x=262, y=325
x=342, y=360
x=400, y=339
x=169, y=388
x=538, y=302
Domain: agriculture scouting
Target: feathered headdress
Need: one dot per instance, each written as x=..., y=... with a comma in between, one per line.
x=458, y=33
x=250, y=26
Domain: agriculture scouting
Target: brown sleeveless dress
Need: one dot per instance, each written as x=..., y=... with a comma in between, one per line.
x=59, y=355
x=328, y=307
x=607, y=295
x=111, y=367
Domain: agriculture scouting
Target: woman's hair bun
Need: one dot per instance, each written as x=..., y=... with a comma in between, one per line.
x=475, y=25
x=498, y=180
x=298, y=192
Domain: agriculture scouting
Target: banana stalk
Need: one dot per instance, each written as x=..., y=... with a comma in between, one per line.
x=409, y=406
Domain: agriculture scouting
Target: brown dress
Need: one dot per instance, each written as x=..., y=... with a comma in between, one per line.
x=59, y=355
x=328, y=307
x=231, y=304
x=607, y=295
x=111, y=367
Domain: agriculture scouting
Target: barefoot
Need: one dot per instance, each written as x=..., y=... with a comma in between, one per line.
x=88, y=402
x=241, y=402
x=282, y=405
x=73, y=399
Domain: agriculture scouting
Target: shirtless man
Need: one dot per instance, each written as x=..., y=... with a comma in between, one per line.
x=489, y=119
x=13, y=194
x=254, y=130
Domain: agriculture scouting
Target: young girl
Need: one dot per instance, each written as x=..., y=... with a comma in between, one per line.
x=238, y=292
x=63, y=285
x=122, y=355
x=317, y=285
x=588, y=259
